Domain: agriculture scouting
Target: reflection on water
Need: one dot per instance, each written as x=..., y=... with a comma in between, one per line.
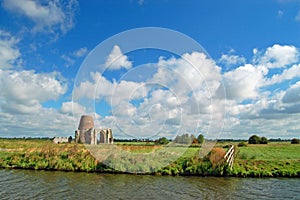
x=27, y=184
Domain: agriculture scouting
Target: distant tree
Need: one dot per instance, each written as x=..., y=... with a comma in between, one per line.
x=200, y=139
x=184, y=139
x=295, y=141
x=254, y=139
x=242, y=144
x=162, y=141
x=70, y=139
x=263, y=140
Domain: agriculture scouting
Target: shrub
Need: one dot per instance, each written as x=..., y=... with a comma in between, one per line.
x=295, y=141
x=162, y=141
x=242, y=144
x=184, y=139
x=200, y=139
x=216, y=155
x=254, y=139
x=263, y=140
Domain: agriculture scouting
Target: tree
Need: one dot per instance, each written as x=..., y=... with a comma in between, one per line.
x=200, y=139
x=162, y=141
x=263, y=140
x=295, y=141
x=184, y=139
x=254, y=139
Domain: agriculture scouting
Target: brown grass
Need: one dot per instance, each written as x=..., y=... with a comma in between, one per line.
x=216, y=155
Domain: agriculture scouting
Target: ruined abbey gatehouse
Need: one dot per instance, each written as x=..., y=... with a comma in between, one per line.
x=88, y=134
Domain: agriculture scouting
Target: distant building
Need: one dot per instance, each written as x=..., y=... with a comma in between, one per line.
x=88, y=134
x=57, y=140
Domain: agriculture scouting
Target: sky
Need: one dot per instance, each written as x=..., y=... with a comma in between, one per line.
x=226, y=69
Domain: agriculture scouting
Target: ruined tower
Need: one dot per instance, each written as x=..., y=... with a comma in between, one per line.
x=88, y=134
x=86, y=123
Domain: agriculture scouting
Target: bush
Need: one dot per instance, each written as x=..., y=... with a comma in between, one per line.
x=242, y=144
x=254, y=139
x=216, y=155
x=200, y=139
x=263, y=140
x=184, y=139
x=162, y=141
x=295, y=141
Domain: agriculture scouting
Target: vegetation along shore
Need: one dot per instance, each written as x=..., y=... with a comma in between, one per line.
x=274, y=159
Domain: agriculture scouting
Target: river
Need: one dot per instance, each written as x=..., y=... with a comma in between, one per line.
x=30, y=184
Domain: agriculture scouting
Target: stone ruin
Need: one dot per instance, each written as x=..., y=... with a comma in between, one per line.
x=88, y=134
x=57, y=140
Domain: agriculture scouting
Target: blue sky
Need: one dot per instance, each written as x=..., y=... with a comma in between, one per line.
x=253, y=53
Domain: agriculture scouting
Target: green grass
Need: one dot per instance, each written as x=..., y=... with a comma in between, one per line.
x=273, y=159
x=272, y=151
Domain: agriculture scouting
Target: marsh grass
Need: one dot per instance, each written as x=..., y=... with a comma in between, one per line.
x=273, y=159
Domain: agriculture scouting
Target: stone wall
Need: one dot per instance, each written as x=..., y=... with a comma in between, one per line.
x=58, y=140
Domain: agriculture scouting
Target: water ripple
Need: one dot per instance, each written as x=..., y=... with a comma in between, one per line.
x=27, y=184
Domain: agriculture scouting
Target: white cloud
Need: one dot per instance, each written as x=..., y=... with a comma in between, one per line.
x=244, y=82
x=181, y=93
x=72, y=107
x=45, y=123
x=292, y=95
x=69, y=60
x=232, y=59
x=9, y=53
x=80, y=52
x=279, y=56
x=98, y=87
x=24, y=91
x=162, y=104
x=287, y=74
x=116, y=59
x=50, y=15
x=255, y=50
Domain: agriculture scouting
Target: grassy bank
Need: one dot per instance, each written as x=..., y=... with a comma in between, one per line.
x=274, y=159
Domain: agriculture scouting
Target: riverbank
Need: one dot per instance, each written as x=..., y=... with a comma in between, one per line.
x=271, y=160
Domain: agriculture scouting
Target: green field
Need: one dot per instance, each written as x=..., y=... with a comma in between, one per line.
x=273, y=159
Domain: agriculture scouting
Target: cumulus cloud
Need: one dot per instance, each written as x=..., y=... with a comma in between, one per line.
x=179, y=95
x=232, y=59
x=72, y=107
x=47, y=122
x=279, y=56
x=164, y=102
x=50, y=15
x=116, y=59
x=96, y=88
x=292, y=95
x=287, y=74
x=9, y=53
x=244, y=82
x=24, y=91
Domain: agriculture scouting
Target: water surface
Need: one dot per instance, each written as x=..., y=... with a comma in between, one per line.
x=29, y=184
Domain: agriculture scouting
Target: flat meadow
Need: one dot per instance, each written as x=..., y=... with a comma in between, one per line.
x=253, y=160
